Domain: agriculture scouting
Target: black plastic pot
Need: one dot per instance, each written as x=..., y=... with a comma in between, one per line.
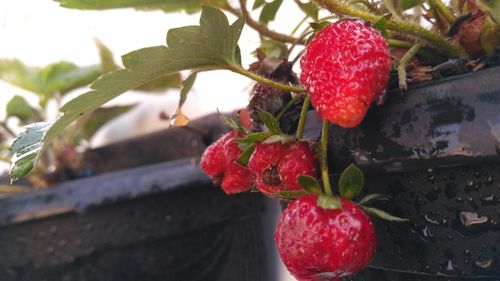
x=436, y=152
x=159, y=222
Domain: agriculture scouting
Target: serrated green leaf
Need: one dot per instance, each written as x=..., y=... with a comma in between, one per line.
x=101, y=116
x=186, y=87
x=255, y=137
x=269, y=11
x=192, y=47
x=283, y=138
x=310, y=8
x=20, y=108
x=383, y=215
x=309, y=184
x=371, y=197
x=381, y=25
x=351, y=182
x=328, y=202
x=26, y=148
x=106, y=57
x=271, y=123
x=246, y=154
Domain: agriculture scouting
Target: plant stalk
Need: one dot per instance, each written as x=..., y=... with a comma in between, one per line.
x=403, y=62
x=441, y=7
x=265, y=81
x=288, y=106
x=303, y=117
x=324, y=159
x=450, y=49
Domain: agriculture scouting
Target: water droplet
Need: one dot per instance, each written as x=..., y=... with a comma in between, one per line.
x=489, y=200
x=431, y=179
x=476, y=174
x=450, y=266
x=430, y=218
x=178, y=118
x=467, y=252
x=489, y=180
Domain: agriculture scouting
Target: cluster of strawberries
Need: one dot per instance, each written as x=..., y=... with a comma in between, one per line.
x=344, y=68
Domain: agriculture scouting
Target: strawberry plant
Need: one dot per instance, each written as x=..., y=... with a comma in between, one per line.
x=350, y=54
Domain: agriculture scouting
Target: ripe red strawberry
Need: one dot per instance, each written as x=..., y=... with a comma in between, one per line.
x=345, y=67
x=277, y=165
x=322, y=245
x=219, y=162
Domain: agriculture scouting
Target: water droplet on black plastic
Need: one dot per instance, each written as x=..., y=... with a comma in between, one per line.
x=467, y=252
x=489, y=180
x=489, y=200
x=476, y=174
x=431, y=179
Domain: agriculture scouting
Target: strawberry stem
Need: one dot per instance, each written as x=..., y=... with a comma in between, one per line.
x=303, y=117
x=289, y=88
x=441, y=7
x=324, y=159
x=288, y=106
x=337, y=7
x=403, y=62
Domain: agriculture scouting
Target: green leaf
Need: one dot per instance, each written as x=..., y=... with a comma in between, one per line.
x=18, y=74
x=231, y=123
x=383, y=215
x=258, y=3
x=246, y=154
x=351, y=182
x=106, y=56
x=101, y=116
x=273, y=48
x=211, y=45
x=60, y=77
x=290, y=195
x=63, y=77
x=159, y=85
x=283, y=138
x=317, y=26
x=26, y=148
x=381, y=25
x=309, y=184
x=310, y=8
x=329, y=203
x=270, y=122
x=255, y=137
x=20, y=108
x=269, y=11
x=186, y=87
x=189, y=6
x=371, y=197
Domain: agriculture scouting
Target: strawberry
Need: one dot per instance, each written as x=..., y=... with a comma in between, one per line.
x=219, y=161
x=345, y=67
x=324, y=244
x=277, y=165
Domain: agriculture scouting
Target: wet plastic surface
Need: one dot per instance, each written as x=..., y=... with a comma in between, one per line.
x=436, y=151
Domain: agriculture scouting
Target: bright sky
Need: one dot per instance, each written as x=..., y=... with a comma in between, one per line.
x=39, y=32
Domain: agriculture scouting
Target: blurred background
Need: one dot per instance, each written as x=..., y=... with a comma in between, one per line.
x=38, y=33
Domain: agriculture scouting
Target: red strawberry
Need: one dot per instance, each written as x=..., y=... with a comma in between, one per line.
x=345, y=66
x=219, y=162
x=277, y=165
x=322, y=245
